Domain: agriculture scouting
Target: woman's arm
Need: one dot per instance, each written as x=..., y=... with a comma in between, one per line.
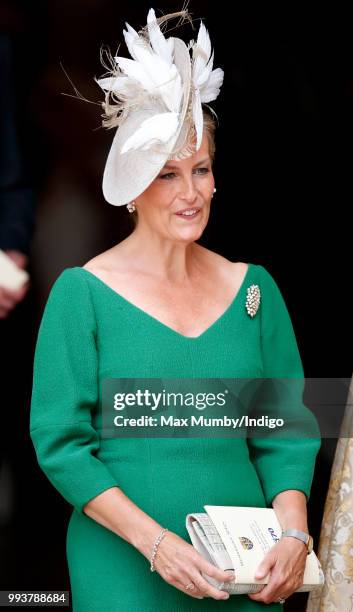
x=285, y=562
x=65, y=394
x=176, y=561
x=291, y=510
x=115, y=511
x=284, y=458
x=284, y=461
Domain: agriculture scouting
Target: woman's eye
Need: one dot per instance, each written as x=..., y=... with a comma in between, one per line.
x=205, y=170
x=163, y=176
x=170, y=174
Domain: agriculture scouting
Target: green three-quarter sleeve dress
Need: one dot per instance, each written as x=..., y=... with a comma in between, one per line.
x=89, y=332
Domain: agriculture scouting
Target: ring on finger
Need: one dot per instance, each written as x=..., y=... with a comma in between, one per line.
x=190, y=585
x=281, y=600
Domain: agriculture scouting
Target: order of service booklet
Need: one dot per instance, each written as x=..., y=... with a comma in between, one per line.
x=238, y=538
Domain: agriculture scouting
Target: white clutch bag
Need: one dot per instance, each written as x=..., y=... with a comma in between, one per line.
x=237, y=538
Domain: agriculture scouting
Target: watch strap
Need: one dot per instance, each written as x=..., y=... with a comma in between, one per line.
x=300, y=535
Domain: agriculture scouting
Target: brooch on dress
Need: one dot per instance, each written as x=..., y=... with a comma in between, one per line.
x=253, y=300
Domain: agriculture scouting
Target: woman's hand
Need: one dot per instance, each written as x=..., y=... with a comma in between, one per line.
x=286, y=562
x=177, y=561
x=179, y=564
x=9, y=298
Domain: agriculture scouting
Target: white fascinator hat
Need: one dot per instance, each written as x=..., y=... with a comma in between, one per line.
x=154, y=101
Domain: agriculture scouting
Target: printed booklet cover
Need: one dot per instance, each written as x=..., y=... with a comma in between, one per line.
x=237, y=538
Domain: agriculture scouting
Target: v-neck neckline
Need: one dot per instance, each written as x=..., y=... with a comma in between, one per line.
x=208, y=329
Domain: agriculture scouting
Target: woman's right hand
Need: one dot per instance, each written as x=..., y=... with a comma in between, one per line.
x=179, y=563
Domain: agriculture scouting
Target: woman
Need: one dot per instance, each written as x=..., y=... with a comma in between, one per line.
x=160, y=305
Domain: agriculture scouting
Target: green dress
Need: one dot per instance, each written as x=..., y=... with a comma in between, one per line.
x=89, y=332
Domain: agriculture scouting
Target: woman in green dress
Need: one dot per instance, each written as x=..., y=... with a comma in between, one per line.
x=158, y=305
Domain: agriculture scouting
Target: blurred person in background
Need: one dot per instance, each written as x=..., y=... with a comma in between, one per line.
x=17, y=222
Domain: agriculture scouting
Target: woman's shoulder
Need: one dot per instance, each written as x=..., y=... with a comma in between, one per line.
x=113, y=259
x=69, y=304
x=67, y=277
x=70, y=282
x=255, y=273
x=226, y=265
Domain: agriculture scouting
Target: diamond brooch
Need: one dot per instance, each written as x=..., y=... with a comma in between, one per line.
x=253, y=300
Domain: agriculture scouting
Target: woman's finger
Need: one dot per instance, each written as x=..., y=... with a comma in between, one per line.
x=280, y=586
x=196, y=593
x=206, y=589
x=180, y=581
x=287, y=588
x=214, y=572
x=270, y=593
x=178, y=562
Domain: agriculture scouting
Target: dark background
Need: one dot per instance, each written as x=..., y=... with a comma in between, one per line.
x=282, y=173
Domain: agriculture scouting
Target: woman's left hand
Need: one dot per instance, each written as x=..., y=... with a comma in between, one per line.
x=286, y=564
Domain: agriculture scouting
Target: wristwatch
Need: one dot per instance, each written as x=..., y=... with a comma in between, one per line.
x=300, y=535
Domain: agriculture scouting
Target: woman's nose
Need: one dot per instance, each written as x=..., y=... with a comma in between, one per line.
x=188, y=190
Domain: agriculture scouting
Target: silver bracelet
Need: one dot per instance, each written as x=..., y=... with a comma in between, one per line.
x=155, y=546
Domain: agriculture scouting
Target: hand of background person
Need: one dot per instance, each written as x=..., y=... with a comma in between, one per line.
x=286, y=563
x=9, y=298
x=179, y=563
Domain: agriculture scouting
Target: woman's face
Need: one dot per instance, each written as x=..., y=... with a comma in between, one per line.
x=180, y=185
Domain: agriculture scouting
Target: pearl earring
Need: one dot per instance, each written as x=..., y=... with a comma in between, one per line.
x=131, y=206
x=214, y=191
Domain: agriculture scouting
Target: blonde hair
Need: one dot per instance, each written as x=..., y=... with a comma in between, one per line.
x=209, y=127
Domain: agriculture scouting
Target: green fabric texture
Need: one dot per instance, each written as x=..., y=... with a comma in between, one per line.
x=65, y=393
x=88, y=332
x=281, y=359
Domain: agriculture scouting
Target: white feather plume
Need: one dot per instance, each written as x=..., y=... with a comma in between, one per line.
x=151, y=75
x=158, y=128
x=202, y=65
x=120, y=84
x=197, y=117
x=154, y=74
x=210, y=90
x=162, y=46
x=130, y=36
x=206, y=82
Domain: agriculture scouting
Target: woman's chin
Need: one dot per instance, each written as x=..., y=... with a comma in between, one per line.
x=189, y=234
x=189, y=230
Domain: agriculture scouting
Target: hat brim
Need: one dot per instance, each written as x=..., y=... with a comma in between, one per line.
x=127, y=175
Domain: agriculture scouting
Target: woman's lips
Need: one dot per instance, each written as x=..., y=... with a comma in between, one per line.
x=188, y=214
